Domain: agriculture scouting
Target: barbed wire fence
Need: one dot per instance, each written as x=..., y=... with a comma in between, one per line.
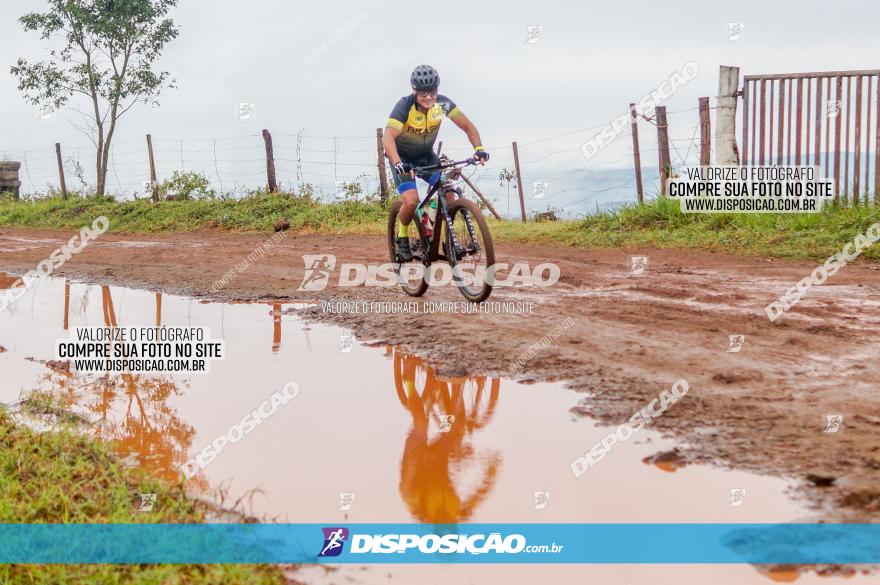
x=552, y=171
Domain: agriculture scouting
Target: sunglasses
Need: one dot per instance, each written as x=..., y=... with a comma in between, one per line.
x=427, y=94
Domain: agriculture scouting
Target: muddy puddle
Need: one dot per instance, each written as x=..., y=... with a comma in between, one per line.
x=374, y=435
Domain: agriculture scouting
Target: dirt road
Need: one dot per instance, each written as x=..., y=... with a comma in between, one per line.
x=763, y=408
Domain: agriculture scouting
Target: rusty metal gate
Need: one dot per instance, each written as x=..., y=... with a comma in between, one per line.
x=821, y=119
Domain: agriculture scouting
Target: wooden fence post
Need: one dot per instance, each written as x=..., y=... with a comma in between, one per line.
x=726, y=152
x=380, y=165
x=270, y=162
x=154, y=186
x=662, y=146
x=522, y=201
x=60, y=170
x=637, y=157
x=705, y=133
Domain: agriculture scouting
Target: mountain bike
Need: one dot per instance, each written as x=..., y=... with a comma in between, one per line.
x=465, y=238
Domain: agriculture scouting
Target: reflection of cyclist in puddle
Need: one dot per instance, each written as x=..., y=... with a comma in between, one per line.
x=435, y=461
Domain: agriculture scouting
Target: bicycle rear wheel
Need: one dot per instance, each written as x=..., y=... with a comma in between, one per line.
x=413, y=282
x=469, y=250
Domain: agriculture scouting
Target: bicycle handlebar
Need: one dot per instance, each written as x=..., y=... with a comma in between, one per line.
x=442, y=166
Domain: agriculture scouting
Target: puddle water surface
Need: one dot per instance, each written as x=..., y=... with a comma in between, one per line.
x=369, y=439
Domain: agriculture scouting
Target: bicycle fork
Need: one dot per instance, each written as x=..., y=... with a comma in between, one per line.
x=453, y=237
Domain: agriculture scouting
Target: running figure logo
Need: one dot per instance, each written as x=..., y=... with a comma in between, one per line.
x=534, y=34
x=245, y=111
x=737, y=495
x=734, y=31
x=334, y=540
x=318, y=269
x=541, y=500
x=346, y=500
x=833, y=422
x=832, y=108
x=638, y=265
x=446, y=422
x=736, y=343
x=147, y=502
x=539, y=189
x=346, y=343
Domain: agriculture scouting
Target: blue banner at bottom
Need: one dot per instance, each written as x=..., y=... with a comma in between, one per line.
x=448, y=543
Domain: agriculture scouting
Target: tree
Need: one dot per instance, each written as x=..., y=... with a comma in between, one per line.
x=507, y=176
x=110, y=47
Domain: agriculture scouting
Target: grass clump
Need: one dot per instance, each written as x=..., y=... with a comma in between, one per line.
x=67, y=477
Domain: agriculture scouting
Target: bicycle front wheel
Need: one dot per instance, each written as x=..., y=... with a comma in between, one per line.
x=469, y=250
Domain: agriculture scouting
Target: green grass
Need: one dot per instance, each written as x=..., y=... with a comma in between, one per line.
x=661, y=224
x=656, y=224
x=249, y=214
x=66, y=477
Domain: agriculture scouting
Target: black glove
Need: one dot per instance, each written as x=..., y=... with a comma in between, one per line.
x=480, y=155
x=402, y=168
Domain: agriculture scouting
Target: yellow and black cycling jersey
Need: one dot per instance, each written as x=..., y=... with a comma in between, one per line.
x=418, y=129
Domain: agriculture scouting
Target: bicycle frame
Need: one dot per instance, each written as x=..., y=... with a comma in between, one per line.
x=433, y=243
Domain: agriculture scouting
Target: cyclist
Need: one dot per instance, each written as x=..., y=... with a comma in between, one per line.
x=409, y=139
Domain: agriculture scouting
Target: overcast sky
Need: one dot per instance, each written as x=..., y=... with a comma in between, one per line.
x=592, y=59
